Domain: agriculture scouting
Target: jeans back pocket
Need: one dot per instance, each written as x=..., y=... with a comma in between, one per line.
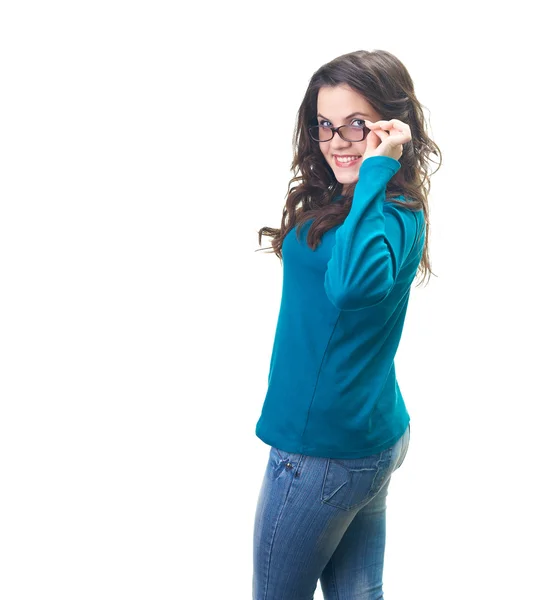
x=350, y=483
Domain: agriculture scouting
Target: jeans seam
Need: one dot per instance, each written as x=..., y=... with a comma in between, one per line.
x=334, y=587
x=335, y=582
x=276, y=525
x=269, y=559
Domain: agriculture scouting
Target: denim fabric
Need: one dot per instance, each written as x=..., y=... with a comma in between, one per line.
x=323, y=519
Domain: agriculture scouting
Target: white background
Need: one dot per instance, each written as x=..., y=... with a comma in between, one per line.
x=143, y=144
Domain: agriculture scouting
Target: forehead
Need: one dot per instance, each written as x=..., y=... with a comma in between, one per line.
x=341, y=101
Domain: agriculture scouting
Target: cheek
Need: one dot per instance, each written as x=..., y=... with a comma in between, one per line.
x=360, y=147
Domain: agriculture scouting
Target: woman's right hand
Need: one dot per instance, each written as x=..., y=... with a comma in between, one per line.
x=386, y=138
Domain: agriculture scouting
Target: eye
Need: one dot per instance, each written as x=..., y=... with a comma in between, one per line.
x=358, y=123
x=324, y=123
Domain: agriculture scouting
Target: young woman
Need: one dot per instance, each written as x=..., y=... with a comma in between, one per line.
x=353, y=235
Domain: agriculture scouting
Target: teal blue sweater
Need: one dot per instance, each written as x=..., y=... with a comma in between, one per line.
x=332, y=387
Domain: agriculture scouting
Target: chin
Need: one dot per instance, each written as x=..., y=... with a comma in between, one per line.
x=350, y=181
x=348, y=184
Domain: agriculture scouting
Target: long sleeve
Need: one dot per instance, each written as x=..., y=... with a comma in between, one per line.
x=373, y=242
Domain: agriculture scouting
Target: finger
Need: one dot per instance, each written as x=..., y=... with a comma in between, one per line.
x=376, y=124
x=383, y=135
x=399, y=127
x=377, y=135
x=394, y=125
x=395, y=137
x=399, y=124
x=373, y=141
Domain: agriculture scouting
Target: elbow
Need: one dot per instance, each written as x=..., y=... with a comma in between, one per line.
x=358, y=297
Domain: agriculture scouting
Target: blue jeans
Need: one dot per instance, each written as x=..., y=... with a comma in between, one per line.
x=323, y=519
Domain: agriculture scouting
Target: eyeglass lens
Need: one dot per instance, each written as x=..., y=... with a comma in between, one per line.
x=351, y=133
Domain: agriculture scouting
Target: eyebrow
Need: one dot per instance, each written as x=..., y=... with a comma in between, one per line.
x=354, y=114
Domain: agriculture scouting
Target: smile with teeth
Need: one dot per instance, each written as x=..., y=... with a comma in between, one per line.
x=345, y=160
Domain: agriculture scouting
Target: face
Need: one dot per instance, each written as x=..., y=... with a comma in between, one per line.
x=337, y=106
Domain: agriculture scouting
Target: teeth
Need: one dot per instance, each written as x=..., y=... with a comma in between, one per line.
x=346, y=159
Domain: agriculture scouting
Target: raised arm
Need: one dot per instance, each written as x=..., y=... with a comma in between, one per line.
x=373, y=242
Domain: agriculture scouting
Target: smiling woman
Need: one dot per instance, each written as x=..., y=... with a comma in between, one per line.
x=334, y=416
x=375, y=85
x=343, y=152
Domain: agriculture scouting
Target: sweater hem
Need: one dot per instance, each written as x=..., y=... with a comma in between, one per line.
x=297, y=448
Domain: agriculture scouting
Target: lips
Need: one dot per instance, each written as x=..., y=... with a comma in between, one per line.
x=346, y=163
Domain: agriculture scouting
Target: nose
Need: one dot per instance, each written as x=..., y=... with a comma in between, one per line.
x=338, y=143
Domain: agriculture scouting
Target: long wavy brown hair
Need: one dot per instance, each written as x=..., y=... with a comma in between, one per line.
x=386, y=84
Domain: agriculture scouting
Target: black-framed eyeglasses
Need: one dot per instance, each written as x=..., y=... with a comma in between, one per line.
x=349, y=133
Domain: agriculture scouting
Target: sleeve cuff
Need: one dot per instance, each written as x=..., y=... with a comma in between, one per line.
x=380, y=162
